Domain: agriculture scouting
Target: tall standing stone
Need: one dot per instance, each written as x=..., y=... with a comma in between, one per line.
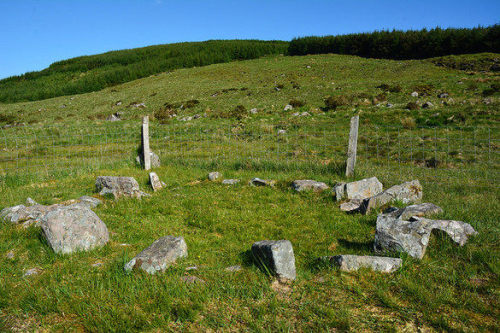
x=353, y=146
x=145, y=143
x=276, y=257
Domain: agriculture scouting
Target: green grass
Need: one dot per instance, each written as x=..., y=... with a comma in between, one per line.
x=452, y=288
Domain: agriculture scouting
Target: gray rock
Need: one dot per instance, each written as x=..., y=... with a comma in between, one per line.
x=389, y=105
x=155, y=160
x=192, y=268
x=262, y=182
x=73, y=228
x=305, y=114
x=26, y=215
x=189, y=279
x=254, y=111
x=443, y=95
x=351, y=263
x=421, y=210
x=91, y=202
x=155, y=181
x=31, y=271
x=10, y=255
x=409, y=192
x=235, y=268
x=31, y=202
x=118, y=186
x=281, y=131
x=213, y=176
x=288, y=107
x=351, y=206
x=160, y=255
x=309, y=185
x=395, y=234
x=414, y=94
x=113, y=117
x=276, y=257
x=360, y=189
x=230, y=181
x=427, y=105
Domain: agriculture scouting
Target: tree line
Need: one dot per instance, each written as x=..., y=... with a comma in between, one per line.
x=96, y=72
x=401, y=45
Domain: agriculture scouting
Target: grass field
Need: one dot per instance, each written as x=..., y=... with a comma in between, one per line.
x=453, y=288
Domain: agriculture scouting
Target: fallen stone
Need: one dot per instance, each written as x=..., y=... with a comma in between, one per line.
x=213, y=176
x=118, y=187
x=360, y=189
x=155, y=182
x=288, y=107
x=30, y=202
x=160, y=255
x=414, y=94
x=192, y=268
x=351, y=263
x=443, y=95
x=91, y=202
x=230, y=181
x=309, y=185
x=281, y=131
x=254, y=111
x=276, y=257
x=10, y=255
x=113, y=117
x=26, y=216
x=262, y=182
x=421, y=210
x=427, y=105
x=235, y=268
x=68, y=229
x=409, y=192
x=155, y=160
x=395, y=234
x=351, y=206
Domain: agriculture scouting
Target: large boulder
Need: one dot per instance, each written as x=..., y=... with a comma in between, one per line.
x=73, y=228
x=360, y=189
x=275, y=257
x=160, y=255
x=395, y=234
x=351, y=263
x=155, y=160
x=408, y=192
x=118, y=186
x=420, y=210
x=309, y=185
x=32, y=214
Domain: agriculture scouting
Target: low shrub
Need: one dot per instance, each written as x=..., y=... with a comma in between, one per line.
x=296, y=103
x=164, y=114
x=4, y=118
x=333, y=102
x=424, y=89
x=408, y=123
x=238, y=112
x=412, y=106
x=190, y=104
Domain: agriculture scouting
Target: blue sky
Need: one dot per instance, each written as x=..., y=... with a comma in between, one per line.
x=35, y=33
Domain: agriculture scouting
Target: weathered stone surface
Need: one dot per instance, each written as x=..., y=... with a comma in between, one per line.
x=118, y=186
x=73, y=228
x=155, y=160
x=160, y=255
x=281, y=131
x=427, y=105
x=351, y=263
x=91, y=202
x=360, y=189
x=309, y=185
x=10, y=255
x=409, y=192
x=395, y=234
x=213, y=176
x=25, y=215
x=351, y=206
x=421, y=210
x=414, y=94
x=32, y=271
x=288, y=107
x=30, y=202
x=155, y=181
x=276, y=257
x=254, y=111
x=230, y=181
x=262, y=182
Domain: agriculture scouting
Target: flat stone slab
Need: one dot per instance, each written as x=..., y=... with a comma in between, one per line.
x=276, y=257
x=395, y=234
x=351, y=206
x=73, y=228
x=235, y=268
x=420, y=210
x=351, y=263
x=160, y=255
x=155, y=182
x=309, y=185
x=118, y=186
x=213, y=176
x=360, y=189
x=262, y=182
x=230, y=181
x=408, y=192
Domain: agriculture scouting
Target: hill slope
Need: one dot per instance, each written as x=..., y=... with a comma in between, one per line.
x=93, y=73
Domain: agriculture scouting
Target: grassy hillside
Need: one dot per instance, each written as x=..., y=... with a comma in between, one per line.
x=93, y=73
x=452, y=288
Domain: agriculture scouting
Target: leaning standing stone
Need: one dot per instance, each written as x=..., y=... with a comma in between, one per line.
x=74, y=228
x=160, y=255
x=277, y=257
x=155, y=181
